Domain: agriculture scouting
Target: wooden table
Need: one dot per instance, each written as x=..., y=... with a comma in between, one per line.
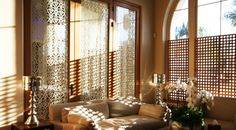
x=41, y=126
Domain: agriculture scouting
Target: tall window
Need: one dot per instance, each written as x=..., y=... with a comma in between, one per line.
x=124, y=51
x=89, y=33
x=216, y=47
x=178, y=47
x=216, y=17
x=103, y=53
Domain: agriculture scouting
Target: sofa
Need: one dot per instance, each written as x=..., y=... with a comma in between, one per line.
x=125, y=113
x=224, y=112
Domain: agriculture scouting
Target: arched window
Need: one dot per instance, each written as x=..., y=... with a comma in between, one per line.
x=178, y=47
x=179, y=22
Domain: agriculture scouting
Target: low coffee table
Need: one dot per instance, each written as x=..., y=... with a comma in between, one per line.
x=41, y=126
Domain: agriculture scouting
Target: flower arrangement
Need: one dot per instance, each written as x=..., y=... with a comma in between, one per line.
x=193, y=113
x=189, y=117
x=205, y=98
x=194, y=98
x=176, y=86
x=189, y=87
x=192, y=93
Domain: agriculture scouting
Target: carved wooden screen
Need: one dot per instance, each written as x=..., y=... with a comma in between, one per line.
x=216, y=65
x=178, y=64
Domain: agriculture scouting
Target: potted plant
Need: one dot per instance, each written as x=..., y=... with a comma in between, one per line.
x=188, y=117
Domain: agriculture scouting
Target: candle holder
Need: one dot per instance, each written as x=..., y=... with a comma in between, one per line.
x=158, y=79
x=32, y=84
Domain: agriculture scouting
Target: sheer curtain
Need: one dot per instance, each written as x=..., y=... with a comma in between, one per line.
x=93, y=49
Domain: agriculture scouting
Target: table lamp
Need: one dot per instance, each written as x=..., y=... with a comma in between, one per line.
x=33, y=83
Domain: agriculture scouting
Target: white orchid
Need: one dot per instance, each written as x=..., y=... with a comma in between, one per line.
x=191, y=93
x=205, y=97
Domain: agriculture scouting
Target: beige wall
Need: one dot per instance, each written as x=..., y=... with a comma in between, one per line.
x=147, y=46
x=11, y=92
x=161, y=7
x=164, y=10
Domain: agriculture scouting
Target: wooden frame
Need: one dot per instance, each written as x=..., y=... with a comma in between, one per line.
x=27, y=51
x=137, y=9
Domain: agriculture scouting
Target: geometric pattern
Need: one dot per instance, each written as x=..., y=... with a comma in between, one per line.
x=49, y=52
x=216, y=65
x=93, y=50
x=124, y=53
x=178, y=63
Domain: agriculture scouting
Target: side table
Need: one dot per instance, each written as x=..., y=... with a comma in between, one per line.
x=41, y=126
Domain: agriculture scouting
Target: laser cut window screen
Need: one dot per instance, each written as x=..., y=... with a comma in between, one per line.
x=124, y=52
x=178, y=64
x=89, y=48
x=104, y=57
x=216, y=65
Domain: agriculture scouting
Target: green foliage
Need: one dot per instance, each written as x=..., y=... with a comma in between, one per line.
x=232, y=15
x=187, y=116
x=202, y=32
x=181, y=31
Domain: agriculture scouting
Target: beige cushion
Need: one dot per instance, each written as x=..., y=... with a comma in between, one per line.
x=87, y=114
x=102, y=108
x=64, y=114
x=123, y=106
x=67, y=126
x=55, y=109
x=151, y=110
x=94, y=105
x=77, y=119
x=132, y=122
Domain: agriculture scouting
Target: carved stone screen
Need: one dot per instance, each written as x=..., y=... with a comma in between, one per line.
x=49, y=51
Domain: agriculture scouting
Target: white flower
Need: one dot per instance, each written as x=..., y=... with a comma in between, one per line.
x=205, y=97
x=191, y=93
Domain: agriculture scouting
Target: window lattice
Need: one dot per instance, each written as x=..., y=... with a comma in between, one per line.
x=178, y=64
x=215, y=64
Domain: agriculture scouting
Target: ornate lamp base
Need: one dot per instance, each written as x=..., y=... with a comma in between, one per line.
x=32, y=120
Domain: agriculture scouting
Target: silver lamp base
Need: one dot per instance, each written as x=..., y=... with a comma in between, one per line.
x=32, y=120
